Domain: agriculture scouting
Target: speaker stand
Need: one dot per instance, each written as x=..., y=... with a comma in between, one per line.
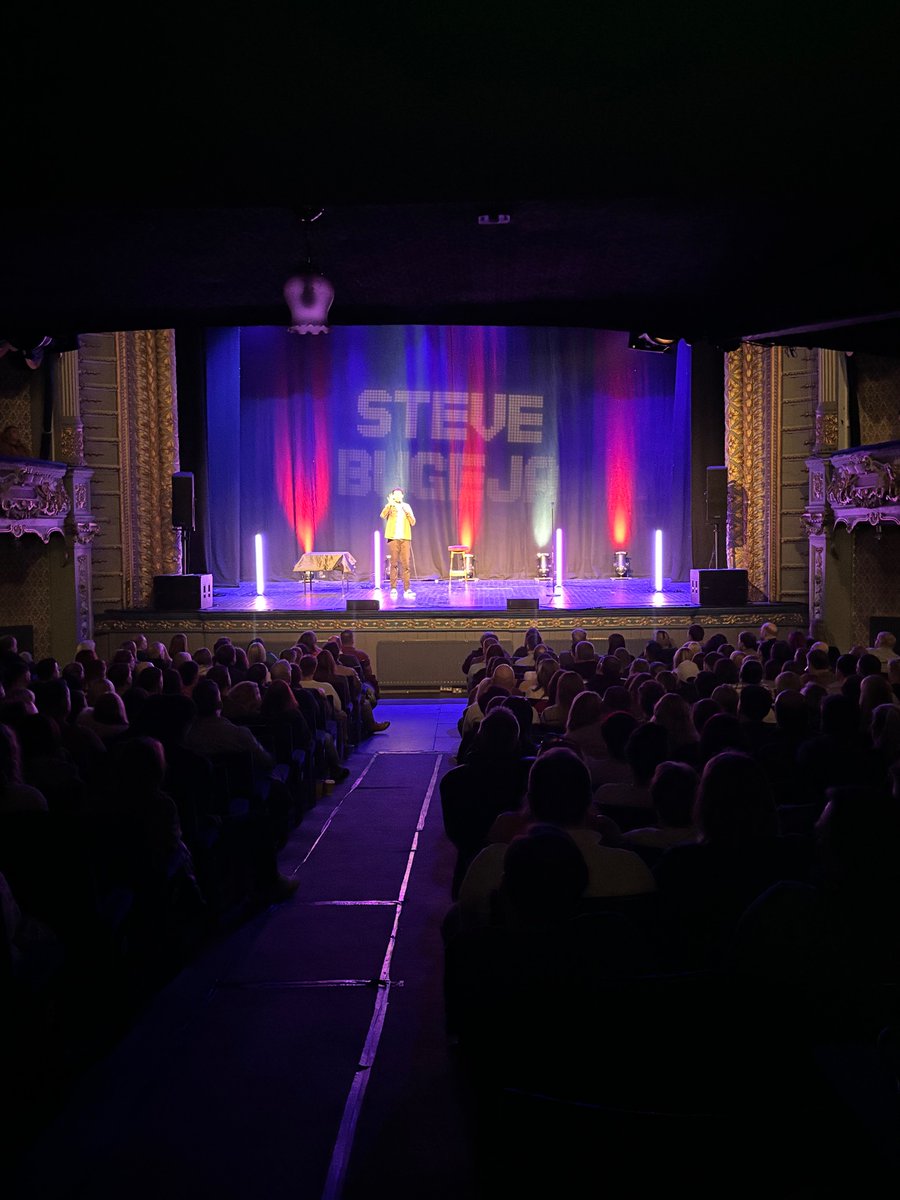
x=185, y=548
x=714, y=560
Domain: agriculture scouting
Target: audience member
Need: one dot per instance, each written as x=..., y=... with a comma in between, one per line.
x=705, y=886
x=673, y=794
x=559, y=794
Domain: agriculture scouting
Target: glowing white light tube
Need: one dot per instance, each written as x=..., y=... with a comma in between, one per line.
x=376, y=559
x=260, y=574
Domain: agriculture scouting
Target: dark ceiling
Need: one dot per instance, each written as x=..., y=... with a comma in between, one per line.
x=713, y=176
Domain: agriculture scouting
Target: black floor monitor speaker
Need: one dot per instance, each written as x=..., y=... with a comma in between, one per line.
x=522, y=604
x=719, y=587
x=358, y=606
x=184, y=592
x=716, y=494
x=183, y=500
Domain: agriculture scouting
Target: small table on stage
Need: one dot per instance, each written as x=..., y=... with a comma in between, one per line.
x=316, y=562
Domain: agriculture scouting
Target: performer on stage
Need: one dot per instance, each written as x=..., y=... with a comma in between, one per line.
x=398, y=535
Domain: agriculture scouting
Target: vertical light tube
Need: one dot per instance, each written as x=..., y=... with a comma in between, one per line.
x=376, y=559
x=260, y=574
x=657, y=561
x=559, y=559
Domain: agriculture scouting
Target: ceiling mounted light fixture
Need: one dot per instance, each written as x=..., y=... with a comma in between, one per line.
x=646, y=341
x=307, y=293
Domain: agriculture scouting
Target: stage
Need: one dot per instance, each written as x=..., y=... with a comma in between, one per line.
x=417, y=646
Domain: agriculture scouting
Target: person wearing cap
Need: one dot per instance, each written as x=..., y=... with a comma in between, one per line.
x=398, y=535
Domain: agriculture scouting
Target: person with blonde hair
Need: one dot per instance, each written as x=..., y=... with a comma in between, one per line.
x=683, y=662
x=256, y=652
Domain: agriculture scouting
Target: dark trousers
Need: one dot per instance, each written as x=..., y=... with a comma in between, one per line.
x=399, y=552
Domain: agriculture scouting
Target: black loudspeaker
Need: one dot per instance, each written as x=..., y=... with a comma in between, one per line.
x=183, y=500
x=183, y=592
x=363, y=606
x=719, y=587
x=716, y=494
x=523, y=604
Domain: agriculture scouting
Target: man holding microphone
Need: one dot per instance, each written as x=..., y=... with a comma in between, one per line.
x=398, y=535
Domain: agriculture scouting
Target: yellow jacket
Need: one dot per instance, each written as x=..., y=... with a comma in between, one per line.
x=400, y=520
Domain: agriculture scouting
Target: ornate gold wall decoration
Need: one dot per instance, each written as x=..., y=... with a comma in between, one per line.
x=148, y=448
x=750, y=417
x=830, y=429
x=71, y=443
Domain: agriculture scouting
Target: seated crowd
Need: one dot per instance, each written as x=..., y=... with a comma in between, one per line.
x=710, y=811
x=144, y=800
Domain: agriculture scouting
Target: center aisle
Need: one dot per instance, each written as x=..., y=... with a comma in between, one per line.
x=304, y=1055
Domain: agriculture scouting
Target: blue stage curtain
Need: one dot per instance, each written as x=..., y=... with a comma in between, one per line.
x=497, y=436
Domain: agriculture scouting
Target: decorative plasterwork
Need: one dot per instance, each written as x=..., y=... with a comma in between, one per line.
x=863, y=481
x=817, y=606
x=85, y=532
x=33, y=498
x=71, y=443
x=276, y=625
x=865, y=485
x=813, y=522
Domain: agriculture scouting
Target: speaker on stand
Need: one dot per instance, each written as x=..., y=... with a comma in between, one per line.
x=183, y=592
x=183, y=512
x=716, y=507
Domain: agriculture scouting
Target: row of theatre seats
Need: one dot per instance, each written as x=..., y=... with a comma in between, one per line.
x=114, y=911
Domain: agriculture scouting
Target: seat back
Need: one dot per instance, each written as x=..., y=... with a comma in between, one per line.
x=234, y=783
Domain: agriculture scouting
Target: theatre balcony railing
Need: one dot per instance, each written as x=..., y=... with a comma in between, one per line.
x=863, y=485
x=43, y=498
x=853, y=487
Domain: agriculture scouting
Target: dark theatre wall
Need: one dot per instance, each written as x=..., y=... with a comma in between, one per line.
x=707, y=446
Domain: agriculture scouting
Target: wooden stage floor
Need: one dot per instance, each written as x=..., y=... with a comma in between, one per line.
x=459, y=596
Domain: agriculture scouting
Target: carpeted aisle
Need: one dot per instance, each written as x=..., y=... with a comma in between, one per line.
x=304, y=1055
